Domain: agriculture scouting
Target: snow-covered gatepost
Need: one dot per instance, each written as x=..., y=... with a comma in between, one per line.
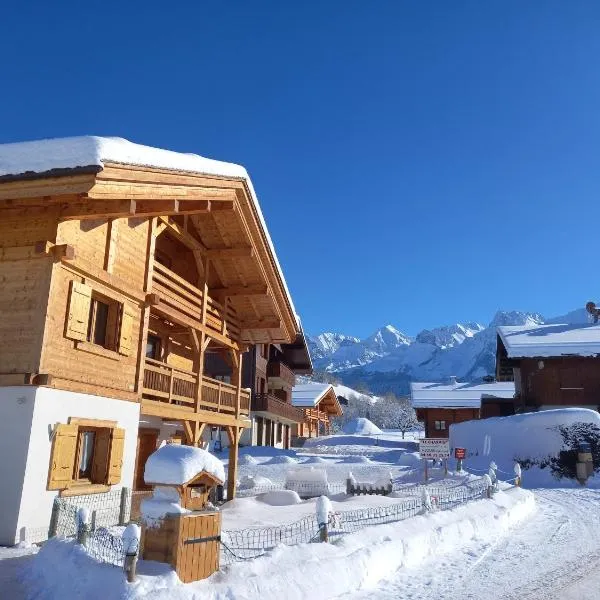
x=324, y=515
x=179, y=524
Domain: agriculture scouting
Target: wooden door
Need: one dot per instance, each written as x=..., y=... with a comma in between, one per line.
x=146, y=445
x=199, y=546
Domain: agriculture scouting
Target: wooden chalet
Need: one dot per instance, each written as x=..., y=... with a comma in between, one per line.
x=319, y=404
x=127, y=273
x=553, y=365
x=439, y=405
x=270, y=372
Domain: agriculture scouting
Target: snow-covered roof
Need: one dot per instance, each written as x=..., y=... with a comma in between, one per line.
x=175, y=464
x=52, y=156
x=458, y=395
x=308, y=395
x=546, y=341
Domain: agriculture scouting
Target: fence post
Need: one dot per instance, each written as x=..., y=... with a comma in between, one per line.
x=53, y=528
x=93, y=523
x=83, y=526
x=131, y=545
x=518, y=475
x=489, y=487
x=123, y=506
x=324, y=511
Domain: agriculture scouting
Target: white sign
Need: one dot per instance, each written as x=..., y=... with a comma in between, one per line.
x=434, y=448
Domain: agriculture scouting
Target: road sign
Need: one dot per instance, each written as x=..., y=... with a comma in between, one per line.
x=434, y=448
x=460, y=453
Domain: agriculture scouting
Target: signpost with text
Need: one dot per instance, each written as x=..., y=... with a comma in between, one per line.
x=436, y=449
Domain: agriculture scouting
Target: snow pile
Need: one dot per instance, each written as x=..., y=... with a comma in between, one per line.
x=361, y=426
x=248, y=459
x=281, y=460
x=131, y=538
x=317, y=571
x=357, y=459
x=176, y=464
x=528, y=437
x=280, y=498
x=253, y=481
x=164, y=501
x=410, y=459
x=314, y=460
x=308, y=482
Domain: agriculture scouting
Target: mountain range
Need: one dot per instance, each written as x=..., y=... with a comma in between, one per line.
x=388, y=360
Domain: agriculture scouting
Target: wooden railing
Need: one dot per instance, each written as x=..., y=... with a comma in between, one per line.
x=272, y=404
x=181, y=295
x=177, y=386
x=281, y=371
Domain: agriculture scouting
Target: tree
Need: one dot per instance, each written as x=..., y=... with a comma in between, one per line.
x=407, y=417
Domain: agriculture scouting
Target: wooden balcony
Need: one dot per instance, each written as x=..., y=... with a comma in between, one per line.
x=268, y=403
x=178, y=387
x=278, y=370
x=186, y=299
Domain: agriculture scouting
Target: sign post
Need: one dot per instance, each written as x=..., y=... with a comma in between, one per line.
x=434, y=448
x=459, y=455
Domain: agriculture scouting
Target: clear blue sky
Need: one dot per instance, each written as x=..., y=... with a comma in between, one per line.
x=418, y=163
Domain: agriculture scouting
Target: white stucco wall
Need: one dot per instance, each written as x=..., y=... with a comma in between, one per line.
x=56, y=406
x=16, y=414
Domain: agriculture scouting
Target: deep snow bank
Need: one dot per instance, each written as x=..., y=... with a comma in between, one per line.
x=316, y=571
x=526, y=437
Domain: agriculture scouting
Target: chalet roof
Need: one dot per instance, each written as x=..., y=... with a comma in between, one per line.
x=459, y=395
x=59, y=156
x=309, y=395
x=551, y=340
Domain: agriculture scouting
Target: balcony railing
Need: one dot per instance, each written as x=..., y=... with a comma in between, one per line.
x=279, y=370
x=272, y=404
x=186, y=298
x=172, y=385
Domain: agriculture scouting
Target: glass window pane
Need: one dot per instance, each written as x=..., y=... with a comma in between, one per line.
x=86, y=453
x=101, y=320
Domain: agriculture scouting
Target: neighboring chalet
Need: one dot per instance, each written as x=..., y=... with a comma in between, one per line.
x=319, y=404
x=439, y=405
x=125, y=271
x=270, y=372
x=551, y=365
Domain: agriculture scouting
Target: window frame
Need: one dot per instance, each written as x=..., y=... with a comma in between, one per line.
x=81, y=431
x=439, y=425
x=112, y=325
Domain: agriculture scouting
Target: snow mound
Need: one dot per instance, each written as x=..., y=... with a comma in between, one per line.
x=248, y=459
x=280, y=498
x=410, y=459
x=254, y=481
x=357, y=459
x=176, y=464
x=314, y=460
x=281, y=460
x=361, y=426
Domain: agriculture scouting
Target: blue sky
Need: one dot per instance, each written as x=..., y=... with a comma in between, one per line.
x=418, y=163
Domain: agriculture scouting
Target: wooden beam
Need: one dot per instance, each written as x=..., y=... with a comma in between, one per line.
x=186, y=413
x=264, y=324
x=98, y=209
x=240, y=290
x=156, y=208
x=218, y=205
x=233, y=433
x=188, y=428
x=182, y=235
x=219, y=253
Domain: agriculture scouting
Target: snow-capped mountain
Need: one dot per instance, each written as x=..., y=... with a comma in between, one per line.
x=389, y=360
x=327, y=343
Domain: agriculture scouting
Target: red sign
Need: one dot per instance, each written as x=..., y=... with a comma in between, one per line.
x=460, y=453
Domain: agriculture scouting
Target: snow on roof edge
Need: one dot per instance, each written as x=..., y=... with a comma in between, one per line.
x=42, y=156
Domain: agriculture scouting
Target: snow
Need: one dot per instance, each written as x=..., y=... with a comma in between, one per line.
x=176, y=464
x=41, y=156
x=458, y=395
x=316, y=571
x=324, y=508
x=164, y=501
x=361, y=426
x=528, y=436
x=131, y=538
x=254, y=481
x=280, y=498
x=550, y=340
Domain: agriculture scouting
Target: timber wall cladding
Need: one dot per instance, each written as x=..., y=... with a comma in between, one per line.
x=76, y=368
x=24, y=285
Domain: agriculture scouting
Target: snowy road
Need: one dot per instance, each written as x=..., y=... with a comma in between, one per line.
x=555, y=555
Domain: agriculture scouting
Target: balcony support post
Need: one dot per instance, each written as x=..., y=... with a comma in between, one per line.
x=200, y=342
x=234, y=438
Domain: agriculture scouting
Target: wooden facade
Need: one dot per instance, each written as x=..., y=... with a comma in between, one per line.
x=122, y=281
x=437, y=421
x=319, y=405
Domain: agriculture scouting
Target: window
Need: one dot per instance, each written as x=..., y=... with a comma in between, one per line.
x=279, y=433
x=99, y=330
x=85, y=452
x=440, y=425
x=153, y=347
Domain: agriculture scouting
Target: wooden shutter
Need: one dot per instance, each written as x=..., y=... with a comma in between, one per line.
x=115, y=462
x=101, y=455
x=62, y=458
x=80, y=299
x=126, y=342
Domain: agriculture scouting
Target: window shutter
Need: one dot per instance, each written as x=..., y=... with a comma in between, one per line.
x=126, y=342
x=80, y=299
x=115, y=461
x=101, y=455
x=62, y=458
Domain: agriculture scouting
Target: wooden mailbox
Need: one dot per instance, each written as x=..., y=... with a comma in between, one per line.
x=188, y=535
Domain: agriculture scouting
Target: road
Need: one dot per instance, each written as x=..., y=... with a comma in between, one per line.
x=555, y=555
